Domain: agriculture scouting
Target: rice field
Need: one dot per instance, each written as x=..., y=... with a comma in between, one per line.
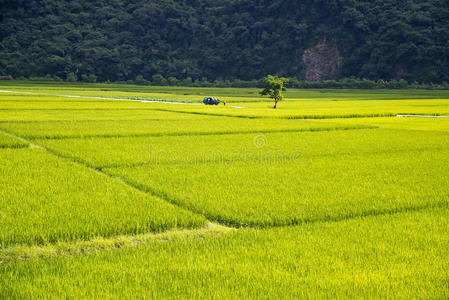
x=330, y=196
x=270, y=148
x=391, y=256
x=324, y=108
x=46, y=199
x=7, y=141
x=163, y=127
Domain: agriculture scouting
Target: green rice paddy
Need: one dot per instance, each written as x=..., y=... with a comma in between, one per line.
x=7, y=141
x=330, y=196
x=391, y=256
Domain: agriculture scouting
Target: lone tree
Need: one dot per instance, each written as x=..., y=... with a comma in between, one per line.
x=274, y=86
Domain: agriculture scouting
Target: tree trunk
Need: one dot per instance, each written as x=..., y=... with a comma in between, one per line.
x=275, y=104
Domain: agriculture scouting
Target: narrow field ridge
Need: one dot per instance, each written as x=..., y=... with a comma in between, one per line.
x=224, y=221
x=29, y=143
x=299, y=117
x=25, y=252
x=364, y=214
x=284, y=158
x=84, y=164
x=218, y=219
x=95, y=245
x=219, y=226
x=317, y=129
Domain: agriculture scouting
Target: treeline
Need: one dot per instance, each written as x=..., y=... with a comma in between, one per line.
x=226, y=40
x=345, y=83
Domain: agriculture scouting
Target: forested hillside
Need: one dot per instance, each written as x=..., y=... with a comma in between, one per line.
x=119, y=40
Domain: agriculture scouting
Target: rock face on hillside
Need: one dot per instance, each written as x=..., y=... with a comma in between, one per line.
x=322, y=61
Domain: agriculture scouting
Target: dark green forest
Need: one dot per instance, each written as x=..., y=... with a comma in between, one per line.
x=120, y=40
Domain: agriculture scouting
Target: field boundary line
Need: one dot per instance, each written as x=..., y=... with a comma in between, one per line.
x=100, y=171
x=359, y=215
x=97, y=170
x=23, y=140
x=199, y=133
x=299, y=117
x=255, y=159
x=232, y=223
x=97, y=244
x=225, y=223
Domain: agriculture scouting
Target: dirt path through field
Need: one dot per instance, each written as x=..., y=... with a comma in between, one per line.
x=420, y=116
x=108, y=98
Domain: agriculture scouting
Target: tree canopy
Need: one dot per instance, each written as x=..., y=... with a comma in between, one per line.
x=274, y=86
x=121, y=40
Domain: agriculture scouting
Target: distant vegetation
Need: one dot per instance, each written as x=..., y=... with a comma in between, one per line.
x=345, y=83
x=169, y=42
